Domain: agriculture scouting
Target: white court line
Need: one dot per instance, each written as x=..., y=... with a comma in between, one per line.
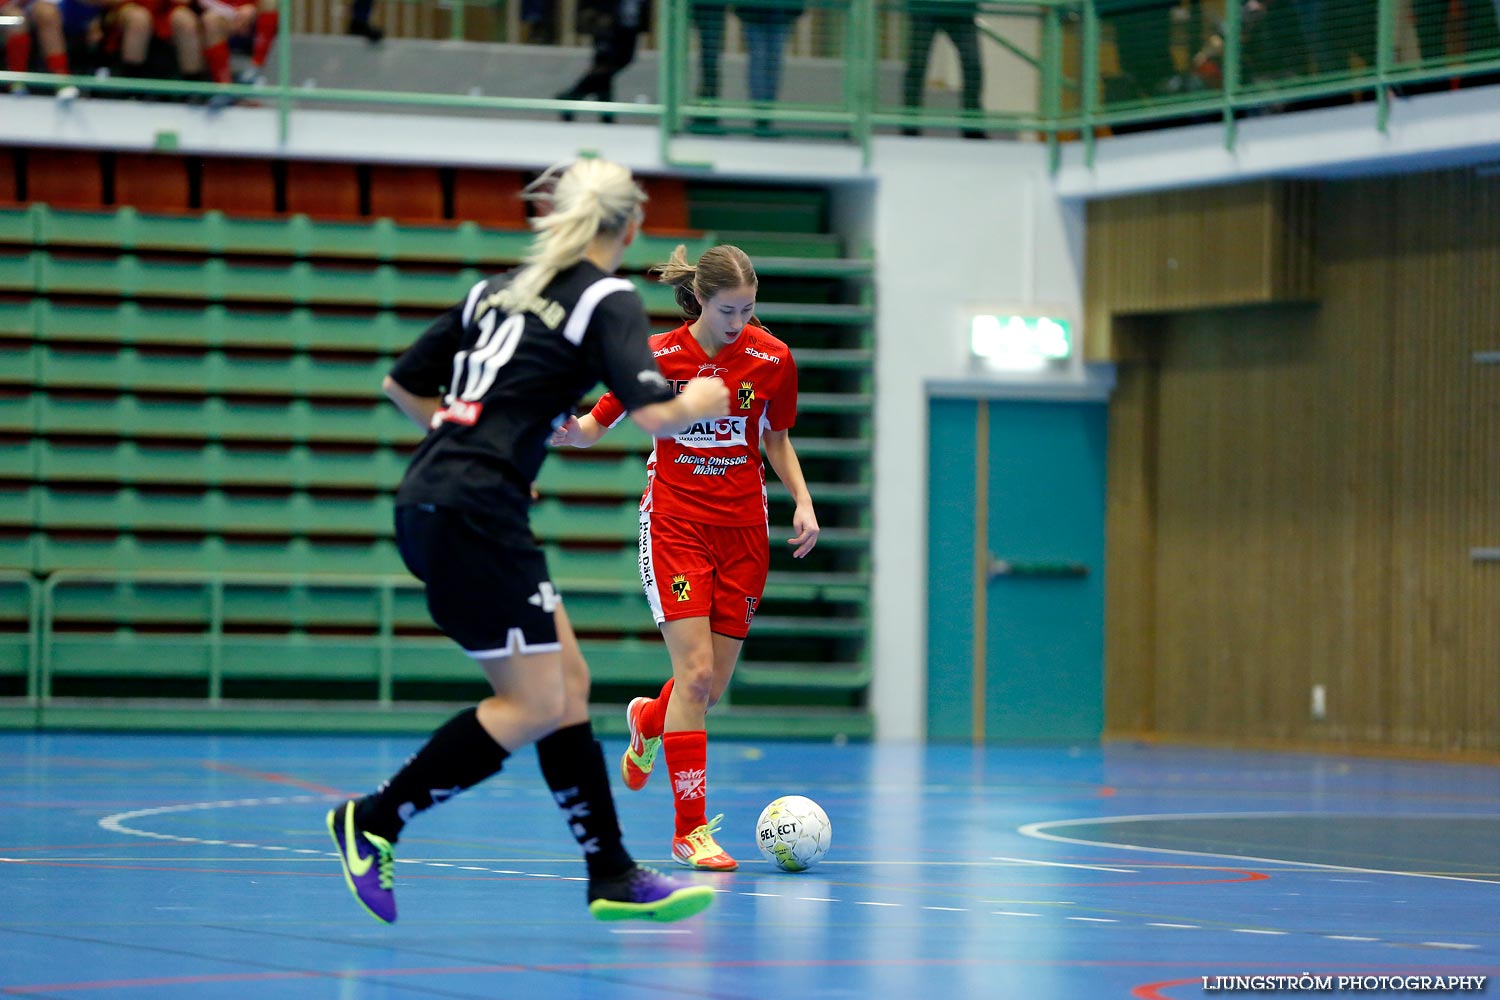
x=1039, y=831
x=1059, y=864
x=1446, y=944
x=1348, y=937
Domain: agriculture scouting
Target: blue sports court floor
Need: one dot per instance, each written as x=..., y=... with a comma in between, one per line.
x=138, y=867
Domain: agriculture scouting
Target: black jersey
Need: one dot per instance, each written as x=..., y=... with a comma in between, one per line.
x=509, y=372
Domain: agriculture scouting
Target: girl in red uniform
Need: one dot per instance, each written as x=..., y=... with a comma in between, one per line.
x=704, y=547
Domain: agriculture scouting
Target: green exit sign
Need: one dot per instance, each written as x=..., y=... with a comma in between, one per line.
x=1020, y=343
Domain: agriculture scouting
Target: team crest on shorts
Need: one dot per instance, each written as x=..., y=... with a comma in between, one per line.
x=682, y=588
x=747, y=395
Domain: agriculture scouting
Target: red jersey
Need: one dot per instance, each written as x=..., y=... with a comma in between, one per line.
x=712, y=472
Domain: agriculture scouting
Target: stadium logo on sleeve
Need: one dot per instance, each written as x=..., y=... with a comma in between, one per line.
x=747, y=395
x=682, y=588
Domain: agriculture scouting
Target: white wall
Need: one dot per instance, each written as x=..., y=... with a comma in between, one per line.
x=960, y=227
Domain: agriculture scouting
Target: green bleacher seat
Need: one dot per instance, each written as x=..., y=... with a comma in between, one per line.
x=199, y=464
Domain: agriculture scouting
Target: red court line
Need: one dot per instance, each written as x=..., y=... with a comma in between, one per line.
x=271, y=776
x=1152, y=991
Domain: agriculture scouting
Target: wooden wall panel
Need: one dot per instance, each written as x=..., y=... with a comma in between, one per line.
x=1130, y=578
x=1197, y=249
x=1320, y=474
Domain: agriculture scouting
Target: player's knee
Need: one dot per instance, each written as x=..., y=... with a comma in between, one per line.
x=546, y=708
x=695, y=680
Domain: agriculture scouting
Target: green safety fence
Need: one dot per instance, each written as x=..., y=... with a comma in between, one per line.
x=1079, y=67
x=197, y=648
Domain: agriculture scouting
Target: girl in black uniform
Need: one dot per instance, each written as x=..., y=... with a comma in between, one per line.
x=514, y=357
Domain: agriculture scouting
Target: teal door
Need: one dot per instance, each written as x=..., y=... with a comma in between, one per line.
x=1015, y=575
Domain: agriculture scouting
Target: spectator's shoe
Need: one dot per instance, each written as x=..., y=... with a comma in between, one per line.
x=646, y=894
x=640, y=757
x=67, y=94
x=368, y=862
x=699, y=850
x=250, y=76
x=910, y=130
x=365, y=30
x=975, y=133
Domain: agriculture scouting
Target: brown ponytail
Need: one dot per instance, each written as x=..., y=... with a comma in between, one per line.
x=719, y=267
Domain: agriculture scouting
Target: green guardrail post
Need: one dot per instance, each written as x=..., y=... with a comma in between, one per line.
x=34, y=643
x=1090, y=102
x=49, y=646
x=216, y=641
x=1232, y=25
x=861, y=69
x=1051, y=70
x=666, y=75
x=284, y=77
x=387, y=680
x=1385, y=54
x=456, y=20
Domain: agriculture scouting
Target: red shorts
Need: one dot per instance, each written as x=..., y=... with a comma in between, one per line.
x=692, y=570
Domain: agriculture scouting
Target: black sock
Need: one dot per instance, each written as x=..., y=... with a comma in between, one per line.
x=573, y=765
x=459, y=755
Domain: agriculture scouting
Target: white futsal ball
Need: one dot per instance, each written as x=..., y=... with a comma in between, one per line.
x=793, y=833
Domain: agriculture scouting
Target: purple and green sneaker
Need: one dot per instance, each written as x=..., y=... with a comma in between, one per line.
x=646, y=894
x=368, y=862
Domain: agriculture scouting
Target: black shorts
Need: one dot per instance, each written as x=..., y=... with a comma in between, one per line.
x=487, y=581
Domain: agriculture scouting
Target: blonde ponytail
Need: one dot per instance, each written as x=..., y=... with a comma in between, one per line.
x=589, y=198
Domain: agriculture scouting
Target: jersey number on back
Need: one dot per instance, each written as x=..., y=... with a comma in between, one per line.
x=474, y=370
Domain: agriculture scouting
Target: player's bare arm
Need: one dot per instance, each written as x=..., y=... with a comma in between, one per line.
x=578, y=432
x=418, y=409
x=783, y=458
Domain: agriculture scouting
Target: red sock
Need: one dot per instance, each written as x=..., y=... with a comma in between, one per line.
x=216, y=56
x=687, y=765
x=654, y=715
x=57, y=63
x=265, y=33
x=18, y=50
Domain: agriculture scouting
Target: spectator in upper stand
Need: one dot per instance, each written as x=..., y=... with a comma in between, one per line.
x=708, y=18
x=615, y=26
x=154, y=38
x=954, y=18
x=766, y=27
x=1333, y=30
x=1477, y=21
x=254, y=21
x=359, y=22
x=1143, y=41
x=538, y=21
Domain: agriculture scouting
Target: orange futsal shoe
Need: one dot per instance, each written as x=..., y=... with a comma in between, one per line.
x=640, y=757
x=698, y=849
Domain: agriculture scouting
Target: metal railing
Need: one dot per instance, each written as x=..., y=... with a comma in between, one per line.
x=1080, y=67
